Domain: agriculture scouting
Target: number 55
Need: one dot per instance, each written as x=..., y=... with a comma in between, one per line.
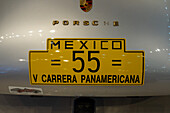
x=89, y=59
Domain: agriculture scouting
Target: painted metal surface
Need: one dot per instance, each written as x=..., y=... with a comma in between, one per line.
x=26, y=25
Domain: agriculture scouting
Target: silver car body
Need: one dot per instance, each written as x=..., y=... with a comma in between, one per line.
x=26, y=24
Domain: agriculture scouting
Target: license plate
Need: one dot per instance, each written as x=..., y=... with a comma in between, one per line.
x=86, y=61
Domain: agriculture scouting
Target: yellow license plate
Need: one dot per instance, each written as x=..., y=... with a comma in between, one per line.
x=87, y=61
